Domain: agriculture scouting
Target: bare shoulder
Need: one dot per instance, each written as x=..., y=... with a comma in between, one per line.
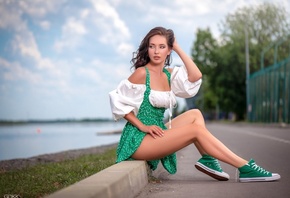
x=139, y=76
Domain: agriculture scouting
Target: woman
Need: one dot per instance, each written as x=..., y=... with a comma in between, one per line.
x=148, y=92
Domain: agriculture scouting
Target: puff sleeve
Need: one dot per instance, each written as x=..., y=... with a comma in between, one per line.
x=126, y=98
x=180, y=84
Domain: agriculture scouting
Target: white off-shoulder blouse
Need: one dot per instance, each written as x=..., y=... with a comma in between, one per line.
x=128, y=96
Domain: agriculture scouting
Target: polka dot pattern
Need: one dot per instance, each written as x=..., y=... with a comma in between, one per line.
x=132, y=137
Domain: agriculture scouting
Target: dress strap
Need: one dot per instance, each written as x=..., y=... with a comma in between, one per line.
x=168, y=74
x=147, y=78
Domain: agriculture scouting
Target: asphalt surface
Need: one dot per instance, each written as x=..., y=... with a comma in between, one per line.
x=268, y=145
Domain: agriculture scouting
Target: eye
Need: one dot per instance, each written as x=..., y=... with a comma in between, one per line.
x=162, y=47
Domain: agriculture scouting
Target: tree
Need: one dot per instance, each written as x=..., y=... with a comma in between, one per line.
x=203, y=54
x=223, y=62
x=229, y=80
x=264, y=23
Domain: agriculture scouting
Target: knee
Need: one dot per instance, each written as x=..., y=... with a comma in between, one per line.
x=197, y=129
x=195, y=114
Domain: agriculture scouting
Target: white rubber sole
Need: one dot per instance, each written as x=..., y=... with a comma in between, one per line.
x=274, y=177
x=221, y=176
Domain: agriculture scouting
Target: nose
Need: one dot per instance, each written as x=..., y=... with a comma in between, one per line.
x=156, y=50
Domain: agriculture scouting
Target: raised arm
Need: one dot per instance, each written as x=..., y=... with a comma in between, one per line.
x=194, y=73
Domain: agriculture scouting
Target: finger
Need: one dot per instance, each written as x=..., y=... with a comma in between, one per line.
x=159, y=132
x=162, y=132
x=152, y=134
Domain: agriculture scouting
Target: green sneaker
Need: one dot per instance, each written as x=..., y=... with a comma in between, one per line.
x=251, y=172
x=210, y=166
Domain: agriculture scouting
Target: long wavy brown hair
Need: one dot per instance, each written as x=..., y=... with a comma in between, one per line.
x=141, y=57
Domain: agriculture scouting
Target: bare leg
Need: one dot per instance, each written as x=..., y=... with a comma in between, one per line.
x=179, y=137
x=188, y=117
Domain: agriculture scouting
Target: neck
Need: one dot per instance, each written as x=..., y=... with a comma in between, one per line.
x=158, y=69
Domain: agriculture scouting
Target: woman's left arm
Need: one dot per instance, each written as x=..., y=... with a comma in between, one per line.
x=194, y=73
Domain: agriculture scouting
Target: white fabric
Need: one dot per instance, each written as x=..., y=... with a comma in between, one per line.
x=164, y=99
x=181, y=86
x=128, y=96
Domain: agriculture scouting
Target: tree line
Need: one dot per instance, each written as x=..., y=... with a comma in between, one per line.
x=222, y=60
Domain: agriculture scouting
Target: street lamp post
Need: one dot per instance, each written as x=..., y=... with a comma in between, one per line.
x=247, y=73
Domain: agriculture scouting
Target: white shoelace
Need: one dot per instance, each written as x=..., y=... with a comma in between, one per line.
x=216, y=162
x=259, y=169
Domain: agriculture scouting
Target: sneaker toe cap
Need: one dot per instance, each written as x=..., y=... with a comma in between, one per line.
x=276, y=175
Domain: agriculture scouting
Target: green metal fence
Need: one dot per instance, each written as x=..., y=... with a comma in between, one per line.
x=269, y=92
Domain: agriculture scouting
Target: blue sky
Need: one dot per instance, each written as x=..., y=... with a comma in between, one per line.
x=60, y=58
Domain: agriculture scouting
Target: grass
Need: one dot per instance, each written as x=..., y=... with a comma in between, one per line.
x=41, y=180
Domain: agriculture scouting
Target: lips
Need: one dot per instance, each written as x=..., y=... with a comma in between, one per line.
x=156, y=57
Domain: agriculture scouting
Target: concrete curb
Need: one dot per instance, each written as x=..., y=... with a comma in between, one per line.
x=124, y=180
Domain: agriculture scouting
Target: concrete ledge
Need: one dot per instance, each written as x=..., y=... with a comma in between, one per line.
x=124, y=180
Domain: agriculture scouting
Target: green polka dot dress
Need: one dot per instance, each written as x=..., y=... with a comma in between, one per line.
x=132, y=137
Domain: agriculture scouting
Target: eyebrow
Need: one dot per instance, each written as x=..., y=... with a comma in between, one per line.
x=157, y=44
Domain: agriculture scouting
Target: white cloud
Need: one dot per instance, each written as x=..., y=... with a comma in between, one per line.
x=109, y=13
x=125, y=49
x=190, y=14
x=90, y=73
x=39, y=8
x=74, y=26
x=109, y=71
x=72, y=32
x=11, y=12
x=9, y=20
x=27, y=65
x=112, y=28
x=44, y=25
x=84, y=13
x=49, y=66
x=13, y=71
x=77, y=30
x=24, y=43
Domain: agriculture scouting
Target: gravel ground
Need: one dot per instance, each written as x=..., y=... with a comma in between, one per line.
x=17, y=164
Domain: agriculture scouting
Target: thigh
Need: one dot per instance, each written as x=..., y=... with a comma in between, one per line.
x=188, y=117
x=173, y=140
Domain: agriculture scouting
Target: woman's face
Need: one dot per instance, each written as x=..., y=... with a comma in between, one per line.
x=158, y=49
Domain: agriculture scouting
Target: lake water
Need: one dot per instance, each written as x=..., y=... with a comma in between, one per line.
x=28, y=140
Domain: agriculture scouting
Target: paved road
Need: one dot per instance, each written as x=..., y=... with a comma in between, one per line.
x=268, y=145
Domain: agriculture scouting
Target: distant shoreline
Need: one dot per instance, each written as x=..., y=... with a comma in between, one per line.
x=20, y=163
x=53, y=121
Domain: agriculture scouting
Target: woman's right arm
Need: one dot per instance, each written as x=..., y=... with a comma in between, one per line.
x=130, y=117
x=127, y=97
x=139, y=77
x=153, y=130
